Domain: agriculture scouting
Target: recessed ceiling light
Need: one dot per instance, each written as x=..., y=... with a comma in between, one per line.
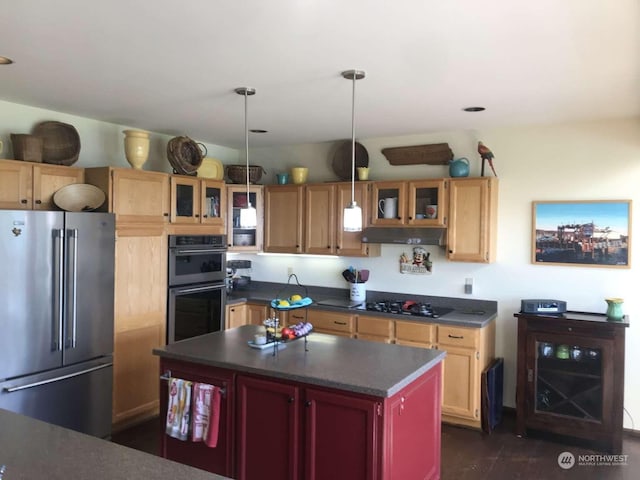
x=257, y=130
x=474, y=109
x=5, y=61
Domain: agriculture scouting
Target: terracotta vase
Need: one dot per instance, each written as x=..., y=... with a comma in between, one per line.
x=136, y=147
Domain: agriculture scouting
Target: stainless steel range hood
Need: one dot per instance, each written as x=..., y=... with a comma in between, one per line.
x=406, y=236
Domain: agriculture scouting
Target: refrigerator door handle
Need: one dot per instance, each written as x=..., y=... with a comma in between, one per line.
x=57, y=379
x=72, y=282
x=58, y=281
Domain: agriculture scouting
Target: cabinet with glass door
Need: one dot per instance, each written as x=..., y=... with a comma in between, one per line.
x=570, y=377
x=197, y=201
x=239, y=238
x=409, y=203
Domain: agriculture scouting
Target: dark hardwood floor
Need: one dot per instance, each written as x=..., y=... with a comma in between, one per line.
x=472, y=455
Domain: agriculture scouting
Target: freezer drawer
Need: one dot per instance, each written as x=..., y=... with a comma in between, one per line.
x=76, y=397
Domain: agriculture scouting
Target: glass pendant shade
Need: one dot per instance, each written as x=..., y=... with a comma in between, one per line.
x=248, y=217
x=352, y=214
x=352, y=218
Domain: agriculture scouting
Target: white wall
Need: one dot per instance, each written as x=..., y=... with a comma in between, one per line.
x=590, y=161
x=101, y=143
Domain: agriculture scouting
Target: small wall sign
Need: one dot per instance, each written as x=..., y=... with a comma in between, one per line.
x=419, y=264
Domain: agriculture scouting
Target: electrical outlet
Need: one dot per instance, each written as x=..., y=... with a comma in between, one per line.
x=289, y=271
x=468, y=286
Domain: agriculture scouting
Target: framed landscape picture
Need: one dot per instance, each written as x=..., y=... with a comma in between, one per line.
x=583, y=233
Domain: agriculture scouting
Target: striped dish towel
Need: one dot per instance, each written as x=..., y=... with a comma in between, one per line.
x=206, y=414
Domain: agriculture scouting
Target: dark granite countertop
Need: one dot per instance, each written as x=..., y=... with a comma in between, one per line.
x=466, y=313
x=359, y=366
x=31, y=449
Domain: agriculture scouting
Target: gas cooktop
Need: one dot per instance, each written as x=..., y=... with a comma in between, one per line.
x=407, y=307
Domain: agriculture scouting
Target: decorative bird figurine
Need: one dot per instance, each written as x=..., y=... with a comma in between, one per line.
x=487, y=155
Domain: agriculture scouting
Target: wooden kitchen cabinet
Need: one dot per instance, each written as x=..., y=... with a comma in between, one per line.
x=244, y=239
x=349, y=244
x=578, y=393
x=236, y=315
x=218, y=460
x=135, y=196
x=376, y=329
x=320, y=219
x=469, y=351
x=415, y=334
x=413, y=198
x=140, y=201
x=308, y=219
x=140, y=321
x=334, y=323
x=283, y=218
x=197, y=201
x=473, y=212
x=30, y=186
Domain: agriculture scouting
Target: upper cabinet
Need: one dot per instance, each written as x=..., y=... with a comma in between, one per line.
x=135, y=196
x=420, y=203
x=473, y=214
x=308, y=219
x=283, y=218
x=244, y=239
x=197, y=201
x=30, y=186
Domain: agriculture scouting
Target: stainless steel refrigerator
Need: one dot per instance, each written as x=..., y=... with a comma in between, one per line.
x=56, y=317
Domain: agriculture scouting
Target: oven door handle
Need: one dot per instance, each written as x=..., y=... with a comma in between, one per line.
x=207, y=250
x=199, y=289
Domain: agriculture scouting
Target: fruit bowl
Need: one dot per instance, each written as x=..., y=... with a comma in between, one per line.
x=288, y=304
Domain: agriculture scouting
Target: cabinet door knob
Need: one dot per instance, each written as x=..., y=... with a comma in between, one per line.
x=38, y=202
x=165, y=214
x=24, y=200
x=307, y=403
x=290, y=400
x=203, y=216
x=410, y=218
x=197, y=215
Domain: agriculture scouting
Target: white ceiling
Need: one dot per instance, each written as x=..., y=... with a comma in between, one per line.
x=171, y=66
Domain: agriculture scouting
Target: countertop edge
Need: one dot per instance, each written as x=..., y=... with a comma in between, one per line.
x=302, y=379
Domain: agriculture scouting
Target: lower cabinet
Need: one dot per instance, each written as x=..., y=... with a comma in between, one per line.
x=469, y=351
x=290, y=431
x=197, y=454
x=334, y=323
x=236, y=315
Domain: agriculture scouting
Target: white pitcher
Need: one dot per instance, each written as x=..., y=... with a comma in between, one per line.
x=388, y=207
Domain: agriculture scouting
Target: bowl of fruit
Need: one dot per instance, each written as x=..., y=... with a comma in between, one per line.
x=291, y=303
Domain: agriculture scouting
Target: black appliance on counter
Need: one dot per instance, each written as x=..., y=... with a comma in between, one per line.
x=407, y=307
x=196, y=300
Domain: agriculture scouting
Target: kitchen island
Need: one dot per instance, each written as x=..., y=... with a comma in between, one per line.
x=334, y=408
x=32, y=449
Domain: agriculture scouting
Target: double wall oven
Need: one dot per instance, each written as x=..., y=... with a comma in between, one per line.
x=196, y=299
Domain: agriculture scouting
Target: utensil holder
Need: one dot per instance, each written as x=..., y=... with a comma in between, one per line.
x=358, y=292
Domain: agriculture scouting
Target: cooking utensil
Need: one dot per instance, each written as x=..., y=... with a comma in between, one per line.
x=349, y=276
x=364, y=275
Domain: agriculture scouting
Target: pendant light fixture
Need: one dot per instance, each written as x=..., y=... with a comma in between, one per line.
x=352, y=215
x=248, y=217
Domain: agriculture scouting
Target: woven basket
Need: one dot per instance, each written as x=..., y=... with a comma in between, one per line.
x=238, y=173
x=60, y=142
x=26, y=147
x=185, y=155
